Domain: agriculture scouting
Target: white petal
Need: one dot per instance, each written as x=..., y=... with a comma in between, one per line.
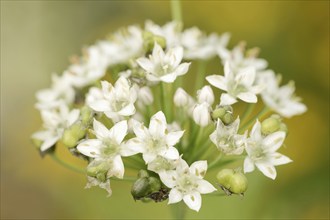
x=169, y=178
x=146, y=64
x=174, y=196
x=227, y=68
x=119, y=131
x=173, y=138
x=100, y=105
x=198, y=168
x=49, y=143
x=177, y=54
x=267, y=169
x=139, y=130
x=227, y=99
x=205, y=187
x=256, y=131
x=157, y=125
x=217, y=81
x=201, y=114
x=248, y=97
x=182, y=69
x=73, y=117
x=168, y=78
x=274, y=141
x=132, y=146
x=193, y=201
x=157, y=53
x=246, y=76
x=170, y=153
x=127, y=110
x=279, y=159
x=248, y=165
x=148, y=157
x=100, y=130
x=90, y=148
x=117, y=168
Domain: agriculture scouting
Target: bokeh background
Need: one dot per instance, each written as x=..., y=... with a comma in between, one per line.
x=38, y=37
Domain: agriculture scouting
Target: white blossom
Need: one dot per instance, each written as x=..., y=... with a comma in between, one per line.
x=163, y=66
x=145, y=96
x=187, y=183
x=280, y=99
x=241, y=85
x=261, y=151
x=226, y=138
x=155, y=140
x=55, y=121
x=202, y=110
x=108, y=146
x=197, y=45
x=115, y=101
x=205, y=95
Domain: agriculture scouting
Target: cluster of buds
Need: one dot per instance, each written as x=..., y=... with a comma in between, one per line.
x=123, y=105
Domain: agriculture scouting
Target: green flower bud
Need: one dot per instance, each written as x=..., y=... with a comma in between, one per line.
x=140, y=188
x=232, y=181
x=73, y=134
x=238, y=183
x=270, y=125
x=142, y=173
x=224, y=177
x=154, y=184
x=86, y=115
x=227, y=118
x=101, y=177
x=218, y=113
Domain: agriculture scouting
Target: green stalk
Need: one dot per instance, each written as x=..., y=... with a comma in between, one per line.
x=263, y=112
x=201, y=69
x=176, y=10
x=67, y=165
x=247, y=112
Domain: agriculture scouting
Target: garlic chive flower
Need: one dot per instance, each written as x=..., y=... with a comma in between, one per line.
x=55, y=122
x=164, y=66
x=241, y=85
x=261, y=151
x=113, y=101
x=187, y=183
x=155, y=140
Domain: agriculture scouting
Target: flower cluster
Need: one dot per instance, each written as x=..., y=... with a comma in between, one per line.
x=123, y=105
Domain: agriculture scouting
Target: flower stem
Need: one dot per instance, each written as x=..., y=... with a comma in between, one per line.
x=263, y=112
x=67, y=165
x=247, y=112
x=179, y=210
x=202, y=64
x=215, y=162
x=176, y=10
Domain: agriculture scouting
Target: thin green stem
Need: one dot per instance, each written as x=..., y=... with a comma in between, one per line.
x=179, y=210
x=126, y=178
x=247, y=112
x=67, y=165
x=214, y=162
x=201, y=69
x=176, y=10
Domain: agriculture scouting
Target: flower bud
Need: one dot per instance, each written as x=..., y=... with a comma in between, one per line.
x=205, y=95
x=154, y=184
x=201, y=114
x=143, y=173
x=218, y=113
x=181, y=98
x=224, y=113
x=73, y=134
x=272, y=124
x=140, y=188
x=232, y=181
x=227, y=118
x=86, y=115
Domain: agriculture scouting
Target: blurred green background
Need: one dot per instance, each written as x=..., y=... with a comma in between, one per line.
x=37, y=38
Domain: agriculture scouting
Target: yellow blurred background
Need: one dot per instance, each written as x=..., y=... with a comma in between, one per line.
x=38, y=37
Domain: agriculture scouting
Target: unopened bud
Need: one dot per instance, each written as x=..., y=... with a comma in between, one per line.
x=86, y=115
x=224, y=113
x=140, y=188
x=272, y=124
x=232, y=181
x=227, y=118
x=149, y=40
x=154, y=184
x=73, y=134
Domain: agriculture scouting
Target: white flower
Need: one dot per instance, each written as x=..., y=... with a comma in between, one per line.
x=226, y=138
x=187, y=183
x=163, y=66
x=145, y=96
x=125, y=44
x=61, y=91
x=197, y=45
x=240, y=85
x=280, y=99
x=155, y=141
x=262, y=153
x=89, y=69
x=184, y=100
x=113, y=101
x=55, y=122
x=162, y=164
x=170, y=31
x=237, y=59
x=108, y=146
